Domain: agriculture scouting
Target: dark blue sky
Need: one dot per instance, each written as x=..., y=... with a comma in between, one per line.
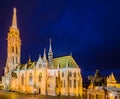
x=90, y=29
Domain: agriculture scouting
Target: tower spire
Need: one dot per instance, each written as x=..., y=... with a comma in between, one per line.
x=14, y=20
x=50, y=53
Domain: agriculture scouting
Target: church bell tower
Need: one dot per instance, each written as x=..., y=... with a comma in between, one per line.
x=13, y=45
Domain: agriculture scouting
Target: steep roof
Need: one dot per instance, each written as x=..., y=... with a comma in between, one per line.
x=63, y=61
x=17, y=67
x=22, y=66
x=30, y=65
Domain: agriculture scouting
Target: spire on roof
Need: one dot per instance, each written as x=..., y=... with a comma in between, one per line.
x=44, y=56
x=14, y=20
x=50, y=53
x=29, y=60
x=50, y=47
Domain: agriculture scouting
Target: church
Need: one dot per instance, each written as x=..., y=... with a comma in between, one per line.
x=46, y=76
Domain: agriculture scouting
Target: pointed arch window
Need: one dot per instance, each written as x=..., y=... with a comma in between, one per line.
x=30, y=79
x=22, y=79
x=13, y=59
x=62, y=74
x=70, y=83
x=40, y=77
x=70, y=74
x=12, y=49
x=61, y=83
x=64, y=83
x=74, y=83
x=74, y=74
x=16, y=60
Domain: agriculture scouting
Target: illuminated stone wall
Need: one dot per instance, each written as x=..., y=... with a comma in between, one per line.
x=52, y=76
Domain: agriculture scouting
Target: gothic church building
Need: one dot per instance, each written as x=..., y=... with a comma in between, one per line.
x=47, y=75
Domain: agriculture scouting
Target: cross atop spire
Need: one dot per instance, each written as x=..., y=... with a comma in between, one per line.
x=14, y=20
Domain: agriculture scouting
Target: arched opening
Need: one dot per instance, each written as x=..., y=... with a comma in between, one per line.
x=70, y=74
x=40, y=77
x=39, y=90
x=22, y=79
x=13, y=59
x=74, y=74
x=62, y=74
x=30, y=79
x=12, y=49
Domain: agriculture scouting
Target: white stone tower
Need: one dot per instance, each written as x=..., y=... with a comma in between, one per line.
x=13, y=46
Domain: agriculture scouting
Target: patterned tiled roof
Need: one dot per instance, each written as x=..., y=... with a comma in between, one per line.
x=63, y=61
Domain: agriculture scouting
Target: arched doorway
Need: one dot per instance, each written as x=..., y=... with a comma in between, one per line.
x=39, y=91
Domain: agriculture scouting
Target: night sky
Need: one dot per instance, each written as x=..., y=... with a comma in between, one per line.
x=90, y=29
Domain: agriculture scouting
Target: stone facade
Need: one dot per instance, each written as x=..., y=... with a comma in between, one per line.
x=103, y=93
x=52, y=76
